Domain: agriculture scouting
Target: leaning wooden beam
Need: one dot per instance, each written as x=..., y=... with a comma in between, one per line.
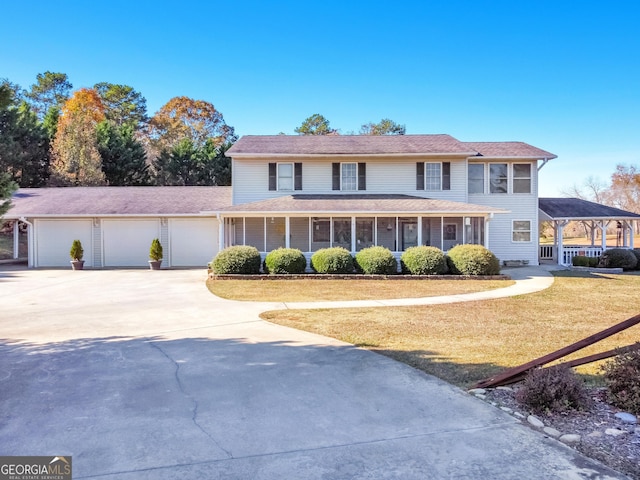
x=511, y=375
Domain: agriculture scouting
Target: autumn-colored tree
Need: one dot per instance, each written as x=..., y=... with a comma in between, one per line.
x=75, y=156
x=383, y=127
x=183, y=117
x=122, y=104
x=624, y=191
x=316, y=124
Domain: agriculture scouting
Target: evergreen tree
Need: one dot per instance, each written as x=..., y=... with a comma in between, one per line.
x=124, y=161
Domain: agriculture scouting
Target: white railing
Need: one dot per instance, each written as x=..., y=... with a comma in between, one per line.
x=570, y=251
x=547, y=252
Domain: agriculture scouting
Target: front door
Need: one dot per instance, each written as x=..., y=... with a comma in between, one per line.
x=409, y=235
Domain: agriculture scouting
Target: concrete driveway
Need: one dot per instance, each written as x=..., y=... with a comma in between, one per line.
x=145, y=375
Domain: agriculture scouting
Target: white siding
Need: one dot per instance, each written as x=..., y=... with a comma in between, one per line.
x=384, y=176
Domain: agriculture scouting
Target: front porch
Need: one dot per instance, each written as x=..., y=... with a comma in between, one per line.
x=353, y=232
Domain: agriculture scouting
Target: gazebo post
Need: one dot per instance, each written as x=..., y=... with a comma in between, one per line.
x=560, y=240
x=604, y=226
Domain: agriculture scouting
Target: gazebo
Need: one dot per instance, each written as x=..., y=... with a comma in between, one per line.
x=561, y=211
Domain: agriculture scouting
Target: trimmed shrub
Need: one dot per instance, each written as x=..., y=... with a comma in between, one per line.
x=593, y=261
x=472, y=260
x=622, y=374
x=554, y=389
x=636, y=252
x=155, y=251
x=285, y=260
x=424, y=260
x=580, y=261
x=76, y=252
x=376, y=261
x=618, y=258
x=332, y=260
x=241, y=259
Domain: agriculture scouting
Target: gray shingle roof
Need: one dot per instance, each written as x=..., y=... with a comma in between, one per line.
x=260, y=145
x=360, y=203
x=118, y=201
x=575, y=208
x=305, y=145
x=509, y=150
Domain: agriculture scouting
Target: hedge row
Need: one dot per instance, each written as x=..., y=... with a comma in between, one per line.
x=423, y=260
x=612, y=258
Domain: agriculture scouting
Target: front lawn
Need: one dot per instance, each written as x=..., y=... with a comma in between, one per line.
x=466, y=342
x=328, y=290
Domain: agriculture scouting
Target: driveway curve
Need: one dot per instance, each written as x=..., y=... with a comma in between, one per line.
x=145, y=375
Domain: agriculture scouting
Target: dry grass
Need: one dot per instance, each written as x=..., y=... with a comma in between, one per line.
x=328, y=290
x=465, y=342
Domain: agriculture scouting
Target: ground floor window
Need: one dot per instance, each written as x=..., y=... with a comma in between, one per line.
x=521, y=231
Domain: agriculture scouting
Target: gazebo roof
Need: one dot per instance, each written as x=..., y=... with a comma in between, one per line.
x=578, y=209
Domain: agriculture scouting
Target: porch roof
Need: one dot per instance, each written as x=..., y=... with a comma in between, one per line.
x=360, y=203
x=578, y=209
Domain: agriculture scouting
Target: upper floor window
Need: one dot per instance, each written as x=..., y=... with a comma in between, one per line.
x=498, y=178
x=433, y=176
x=349, y=176
x=285, y=176
x=476, y=178
x=521, y=178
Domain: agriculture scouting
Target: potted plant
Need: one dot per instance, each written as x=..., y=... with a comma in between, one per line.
x=76, y=253
x=155, y=255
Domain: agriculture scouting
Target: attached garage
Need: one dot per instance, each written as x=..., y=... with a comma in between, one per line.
x=193, y=242
x=126, y=242
x=54, y=237
x=117, y=224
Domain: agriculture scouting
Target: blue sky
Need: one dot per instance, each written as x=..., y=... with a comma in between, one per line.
x=561, y=75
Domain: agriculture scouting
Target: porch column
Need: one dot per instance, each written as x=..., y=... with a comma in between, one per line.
x=487, y=220
x=604, y=226
x=16, y=239
x=353, y=234
x=631, y=229
x=419, y=230
x=287, y=234
x=560, y=248
x=221, y=236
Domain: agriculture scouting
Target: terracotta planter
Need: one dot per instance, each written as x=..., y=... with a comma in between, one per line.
x=155, y=264
x=77, y=264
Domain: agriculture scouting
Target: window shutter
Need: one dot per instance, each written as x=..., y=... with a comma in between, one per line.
x=297, y=176
x=336, y=176
x=273, y=177
x=362, y=176
x=446, y=175
x=420, y=176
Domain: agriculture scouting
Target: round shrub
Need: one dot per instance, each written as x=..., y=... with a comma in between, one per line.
x=472, y=260
x=332, y=260
x=241, y=259
x=554, y=389
x=618, y=258
x=621, y=375
x=424, y=260
x=285, y=260
x=636, y=252
x=376, y=261
x=580, y=261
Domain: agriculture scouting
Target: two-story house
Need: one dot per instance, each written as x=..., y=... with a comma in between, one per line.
x=311, y=192
x=305, y=192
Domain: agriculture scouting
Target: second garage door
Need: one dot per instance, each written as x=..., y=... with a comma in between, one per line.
x=126, y=242
x=194, y=241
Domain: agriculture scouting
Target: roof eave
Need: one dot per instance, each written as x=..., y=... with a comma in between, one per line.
x=358, y=155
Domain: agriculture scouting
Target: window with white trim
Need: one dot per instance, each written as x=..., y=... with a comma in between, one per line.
x=521, y=231
x=521, y=178
x=285, y=176
x=498, y=178
x=348, y=177
x=433, y=176
x=476, y=178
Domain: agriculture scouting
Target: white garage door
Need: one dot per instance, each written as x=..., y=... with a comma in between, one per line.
x=53, y=239
x=126, y=243
x=193, y=241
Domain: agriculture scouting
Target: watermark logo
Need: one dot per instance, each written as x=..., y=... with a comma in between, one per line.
x=35, y=468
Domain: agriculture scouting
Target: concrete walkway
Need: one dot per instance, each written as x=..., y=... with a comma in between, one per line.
x=146, y=375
